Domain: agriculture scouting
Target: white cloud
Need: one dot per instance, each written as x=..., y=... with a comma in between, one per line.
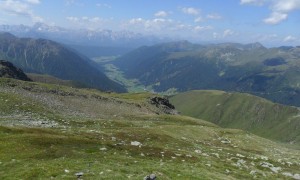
x=214, y=16
x=35, y=18
x=289, y=39
x=15, y=7
x=34, y=1
x=95, y=19
x=191, y=11
x=266, y=37
x=227, y=33
x=91, y=23
x=280, y=9
x=161, y=14
x=275, y=18
x=136, y=21
x=286, y=5
x=85, y=19
x=198, y=19
x=161, y=26
x=73, y=19
x=215, y=35
x=202, y=28
x=20, y=9
x=158, y=24
x=253, y=2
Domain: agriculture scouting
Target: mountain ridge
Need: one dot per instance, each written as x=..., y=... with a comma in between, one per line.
x=48, y=57
x=252, y=68
x=96, y=37
x=242, y=111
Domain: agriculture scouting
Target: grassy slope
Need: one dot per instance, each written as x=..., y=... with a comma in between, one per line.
x=243, y=111
x=44, y=78
x=76, y=124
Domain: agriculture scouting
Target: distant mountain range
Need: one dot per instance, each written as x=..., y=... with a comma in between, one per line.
x=273, y=73
x=98, y=37
x=48, y=57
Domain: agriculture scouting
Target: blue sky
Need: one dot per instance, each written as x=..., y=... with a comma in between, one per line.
x=271, y=22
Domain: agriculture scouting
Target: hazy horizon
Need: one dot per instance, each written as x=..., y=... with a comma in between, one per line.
x=270, y=22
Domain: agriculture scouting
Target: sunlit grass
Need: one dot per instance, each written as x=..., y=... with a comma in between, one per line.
x=94, y=132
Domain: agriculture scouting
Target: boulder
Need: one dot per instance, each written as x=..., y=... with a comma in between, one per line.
x=79, y=174
x=150, y=177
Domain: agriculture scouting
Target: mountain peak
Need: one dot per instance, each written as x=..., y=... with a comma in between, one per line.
x=183, y=45
x=255, y=45
x=83, y=36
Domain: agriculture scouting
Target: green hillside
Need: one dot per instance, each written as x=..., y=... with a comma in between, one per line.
x=44, y=78
x=272, y=73
x=48, y=57
x=242, y=111
x=53, y=132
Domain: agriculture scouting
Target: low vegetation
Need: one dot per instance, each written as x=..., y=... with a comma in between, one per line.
x=52, y=131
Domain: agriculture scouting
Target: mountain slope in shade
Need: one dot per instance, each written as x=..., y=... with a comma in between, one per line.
x=8, y=70
x=48, y=57
x=242, y=111
x=272, y=73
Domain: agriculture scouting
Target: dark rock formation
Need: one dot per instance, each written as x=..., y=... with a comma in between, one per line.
x=163, y=104
x=8, y=70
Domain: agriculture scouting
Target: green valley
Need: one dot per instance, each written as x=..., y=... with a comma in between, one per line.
x=272, y=73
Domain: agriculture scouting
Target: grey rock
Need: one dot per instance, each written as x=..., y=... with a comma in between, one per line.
x=150, y=177
x=79, y=174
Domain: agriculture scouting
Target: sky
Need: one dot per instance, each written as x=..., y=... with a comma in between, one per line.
x=270, y=22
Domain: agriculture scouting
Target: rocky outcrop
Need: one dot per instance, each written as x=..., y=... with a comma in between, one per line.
x=163, y=104
x=8, y=70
